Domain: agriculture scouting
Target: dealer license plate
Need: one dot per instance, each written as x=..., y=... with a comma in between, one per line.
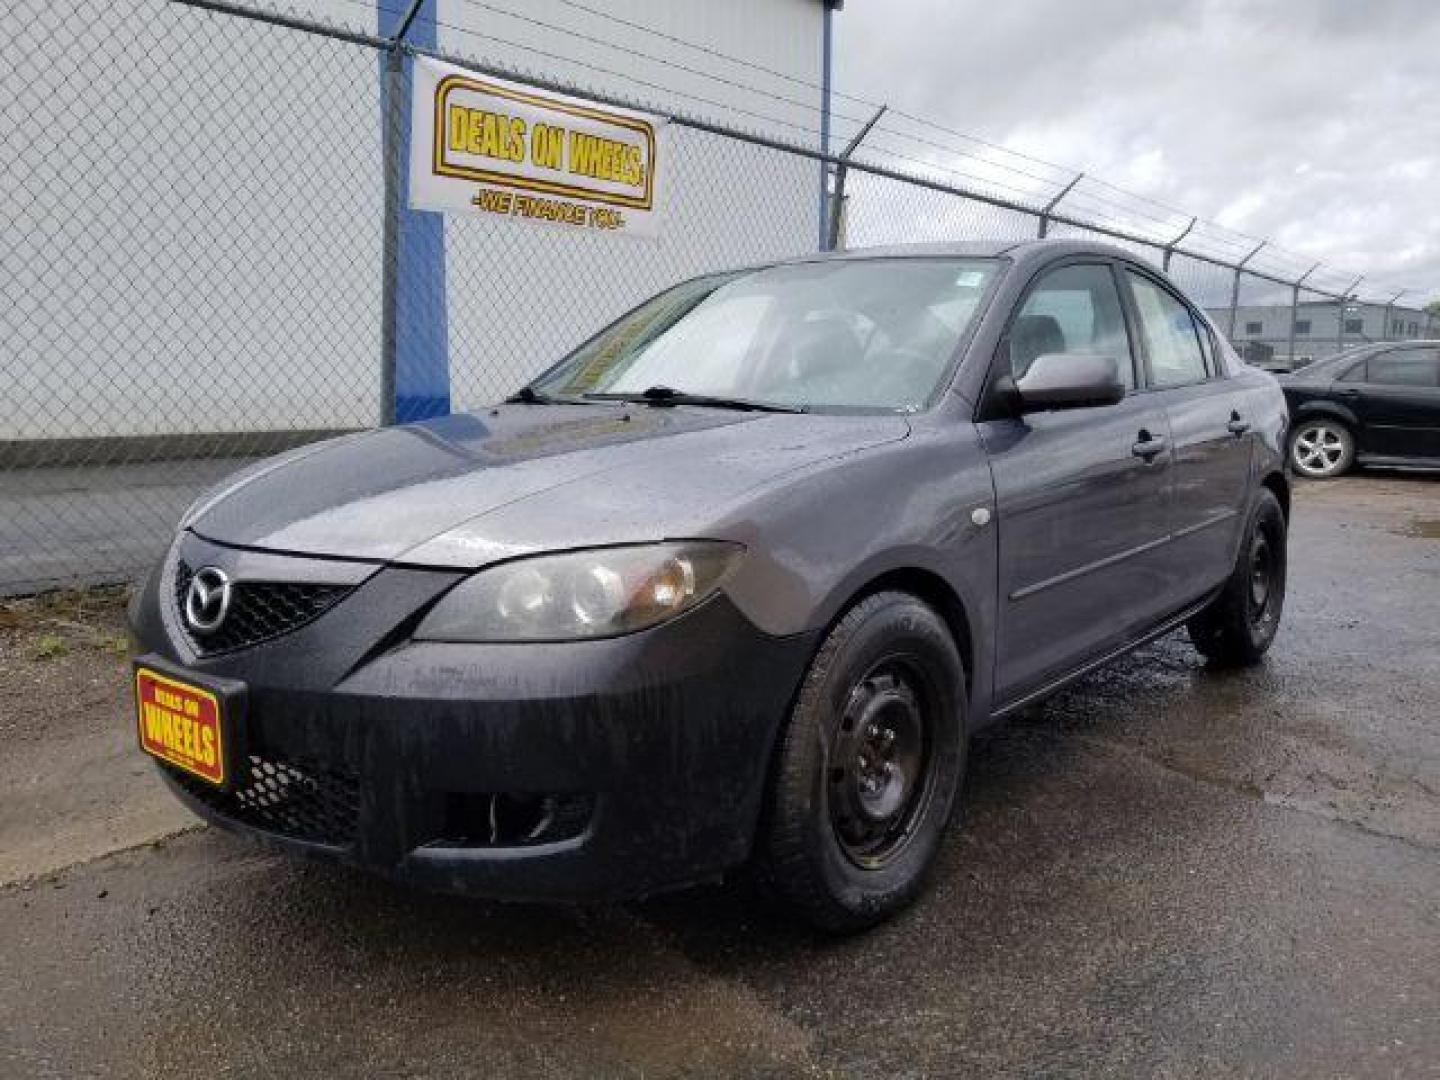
x=181, y=724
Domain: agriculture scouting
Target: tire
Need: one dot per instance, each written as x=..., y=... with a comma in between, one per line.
x=1236, y=629
x=1322, y=448
x=867, y=768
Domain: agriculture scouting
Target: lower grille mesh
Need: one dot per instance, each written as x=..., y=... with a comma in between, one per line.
x=303, y=800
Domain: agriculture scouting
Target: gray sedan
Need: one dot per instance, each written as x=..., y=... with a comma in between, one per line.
x=732, y=585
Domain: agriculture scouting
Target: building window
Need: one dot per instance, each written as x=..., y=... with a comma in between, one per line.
x=1252, y=328
x=1354, y=326
x=1397, y=326
x=1414, y=329
x=1302, y=326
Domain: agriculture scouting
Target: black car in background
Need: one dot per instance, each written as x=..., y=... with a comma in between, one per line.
x=1378, y=405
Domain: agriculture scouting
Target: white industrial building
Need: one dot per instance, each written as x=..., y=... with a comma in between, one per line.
x=1278, y=335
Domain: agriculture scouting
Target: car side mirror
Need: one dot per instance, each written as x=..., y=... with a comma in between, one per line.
x=1069, y=381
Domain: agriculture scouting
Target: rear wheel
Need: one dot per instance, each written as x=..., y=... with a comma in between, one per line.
x=1239, y=625
x=1321, y=448
x=867, y=767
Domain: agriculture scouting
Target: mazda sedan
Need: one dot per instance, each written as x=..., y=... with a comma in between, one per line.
x=731, y=585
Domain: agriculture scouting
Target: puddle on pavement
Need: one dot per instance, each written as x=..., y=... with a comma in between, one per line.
x=1423, y=528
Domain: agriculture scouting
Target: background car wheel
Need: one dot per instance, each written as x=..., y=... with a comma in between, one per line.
x=1239, y=625
x=868, y=766
x=1321, y=448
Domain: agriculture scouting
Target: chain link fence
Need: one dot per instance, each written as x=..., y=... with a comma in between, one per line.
x=193, y=272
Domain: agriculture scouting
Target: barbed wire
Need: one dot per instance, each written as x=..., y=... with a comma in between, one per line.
x=967, y=166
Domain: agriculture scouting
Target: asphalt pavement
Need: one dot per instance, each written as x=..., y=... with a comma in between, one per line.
x=1166, y=871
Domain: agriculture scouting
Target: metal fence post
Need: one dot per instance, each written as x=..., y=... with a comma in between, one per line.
x=1170, y=247
x=1389, y=314
x=414, y=352
x=1053, y=203
x=1345, y=297
x=826, y=44
x=1235, y=286
x=1295, y=308
x=837, y=201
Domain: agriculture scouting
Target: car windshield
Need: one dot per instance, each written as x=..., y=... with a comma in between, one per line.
x=840, y=335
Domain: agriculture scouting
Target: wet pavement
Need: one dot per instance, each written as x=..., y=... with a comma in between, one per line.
x=1167, y=871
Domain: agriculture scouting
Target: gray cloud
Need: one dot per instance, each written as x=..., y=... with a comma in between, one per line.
x=1316, y=124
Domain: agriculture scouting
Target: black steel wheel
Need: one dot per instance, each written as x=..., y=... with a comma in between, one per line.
x=868, y=766
x=879, y=767
x=1240, y=623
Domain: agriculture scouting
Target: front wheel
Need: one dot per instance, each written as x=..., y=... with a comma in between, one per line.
x=868, y=766
x=1239, y=625
x=1321, y=448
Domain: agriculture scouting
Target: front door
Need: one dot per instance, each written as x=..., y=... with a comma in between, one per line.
x=1081, y=495
x=1399, y=403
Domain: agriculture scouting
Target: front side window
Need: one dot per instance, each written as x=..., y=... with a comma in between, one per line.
x=1172, y=340
x=1252, y=328
x=1075, y=309
x=1405, y=367
x=1302, y=326
x=839, y=335
x=1353, y=326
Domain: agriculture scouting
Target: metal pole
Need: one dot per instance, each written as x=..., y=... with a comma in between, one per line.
x=823, y=221
x=1235, y=287
x=1345, y=298
x=390, y=244
x=1389, y=314
x=1170, y=247
x=414, y=339
x=1053, y=203
x=1295, y=309
x=837, y=203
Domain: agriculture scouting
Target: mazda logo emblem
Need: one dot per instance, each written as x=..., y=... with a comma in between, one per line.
x=207, y=601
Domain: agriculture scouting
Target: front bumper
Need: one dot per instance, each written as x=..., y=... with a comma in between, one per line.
x=643, y=757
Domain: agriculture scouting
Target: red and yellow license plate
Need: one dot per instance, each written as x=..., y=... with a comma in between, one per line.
x=180, y=724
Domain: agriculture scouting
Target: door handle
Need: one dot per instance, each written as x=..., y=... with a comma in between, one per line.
x=1148, y=446
x=1236, y=426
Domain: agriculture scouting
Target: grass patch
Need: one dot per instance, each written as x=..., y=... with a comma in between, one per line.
x=49, y=647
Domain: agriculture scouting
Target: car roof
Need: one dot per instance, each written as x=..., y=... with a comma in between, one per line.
x=1021, y=252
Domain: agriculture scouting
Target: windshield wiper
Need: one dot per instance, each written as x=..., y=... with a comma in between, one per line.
x=668, y=395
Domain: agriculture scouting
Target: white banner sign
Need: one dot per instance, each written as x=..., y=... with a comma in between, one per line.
x=483, y=145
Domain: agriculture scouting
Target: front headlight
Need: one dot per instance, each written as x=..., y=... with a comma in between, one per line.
x=583, y=594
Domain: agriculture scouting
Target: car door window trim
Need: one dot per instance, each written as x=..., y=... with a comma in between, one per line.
x=1197, y=322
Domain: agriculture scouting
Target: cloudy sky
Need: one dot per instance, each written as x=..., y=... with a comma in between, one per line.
x=1315, y=122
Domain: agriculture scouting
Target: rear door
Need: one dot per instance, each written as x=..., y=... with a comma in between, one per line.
x=1209, y=428
x=1399, y=403
x=1081, y=494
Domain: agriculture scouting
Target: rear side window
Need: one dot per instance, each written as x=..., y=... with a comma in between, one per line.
x=1172, y=339
x=1405, y=367
x=1075, y=309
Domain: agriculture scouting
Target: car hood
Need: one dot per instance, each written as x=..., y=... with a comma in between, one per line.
x=468, y=489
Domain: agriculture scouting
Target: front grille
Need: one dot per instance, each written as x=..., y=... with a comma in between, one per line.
x=296, y=798
x=259, y=610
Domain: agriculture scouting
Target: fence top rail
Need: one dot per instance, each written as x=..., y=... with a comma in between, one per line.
x=1052, y=213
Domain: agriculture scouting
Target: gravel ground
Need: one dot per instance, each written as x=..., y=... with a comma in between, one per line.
x=1166, y=871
